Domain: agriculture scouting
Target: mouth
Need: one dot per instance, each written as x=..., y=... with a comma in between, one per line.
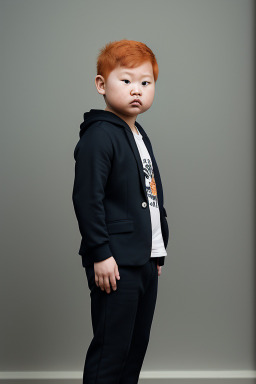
x=136, y=102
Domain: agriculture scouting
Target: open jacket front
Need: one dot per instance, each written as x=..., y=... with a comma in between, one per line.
x=109, y=193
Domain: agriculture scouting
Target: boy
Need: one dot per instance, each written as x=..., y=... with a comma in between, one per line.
x=118, y=201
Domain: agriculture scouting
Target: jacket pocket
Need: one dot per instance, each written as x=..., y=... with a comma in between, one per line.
x=120, y=226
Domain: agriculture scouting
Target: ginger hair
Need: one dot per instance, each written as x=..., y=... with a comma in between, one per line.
x=125, y=53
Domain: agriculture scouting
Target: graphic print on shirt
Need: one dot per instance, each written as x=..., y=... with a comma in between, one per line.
x=150, y=182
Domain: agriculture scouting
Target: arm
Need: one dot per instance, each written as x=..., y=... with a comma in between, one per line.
x=93, y=156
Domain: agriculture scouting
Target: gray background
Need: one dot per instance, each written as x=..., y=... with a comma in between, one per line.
x=201, y=127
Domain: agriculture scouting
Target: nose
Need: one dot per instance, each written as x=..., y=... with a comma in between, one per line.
x=136, y=90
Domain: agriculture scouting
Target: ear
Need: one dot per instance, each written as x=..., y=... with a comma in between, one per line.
x=100, y=84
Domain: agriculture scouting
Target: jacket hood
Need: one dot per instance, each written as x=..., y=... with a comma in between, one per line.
x=101, y=115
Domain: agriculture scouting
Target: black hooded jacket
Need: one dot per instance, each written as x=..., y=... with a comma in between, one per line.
x=109, y=193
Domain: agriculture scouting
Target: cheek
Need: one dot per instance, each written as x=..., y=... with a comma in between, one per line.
x=151, y=95
x=116, y=93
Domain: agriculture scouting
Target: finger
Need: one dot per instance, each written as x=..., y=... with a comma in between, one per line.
x=113, y=281
x=106, y=284
x=101, y=283
x=96, y=278
x=117, y=272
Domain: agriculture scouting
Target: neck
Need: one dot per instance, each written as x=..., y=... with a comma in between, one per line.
x=130, y=120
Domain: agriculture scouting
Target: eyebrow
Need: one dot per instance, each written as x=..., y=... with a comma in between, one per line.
x=143, y=75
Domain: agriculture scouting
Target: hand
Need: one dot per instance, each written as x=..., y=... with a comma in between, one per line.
x=106, y=270
x=159, y=267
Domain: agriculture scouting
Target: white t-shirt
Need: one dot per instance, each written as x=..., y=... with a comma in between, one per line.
x=158, y=248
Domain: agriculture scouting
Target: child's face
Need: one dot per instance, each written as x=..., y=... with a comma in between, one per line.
x=123, y=85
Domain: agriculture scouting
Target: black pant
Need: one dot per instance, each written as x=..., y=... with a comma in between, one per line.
x=121, y=322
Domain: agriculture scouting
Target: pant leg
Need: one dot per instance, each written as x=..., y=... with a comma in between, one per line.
x=142, y=327
x=113, y=318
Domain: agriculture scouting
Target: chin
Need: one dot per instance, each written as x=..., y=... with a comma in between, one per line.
x=128, y=111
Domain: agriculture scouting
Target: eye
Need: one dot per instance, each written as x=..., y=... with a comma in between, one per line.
x=126, y=80
x=145, y=82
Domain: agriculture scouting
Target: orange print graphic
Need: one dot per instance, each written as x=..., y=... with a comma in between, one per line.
x=153, y=186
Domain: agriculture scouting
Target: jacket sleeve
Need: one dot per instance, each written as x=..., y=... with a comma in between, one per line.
x=93, y=155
